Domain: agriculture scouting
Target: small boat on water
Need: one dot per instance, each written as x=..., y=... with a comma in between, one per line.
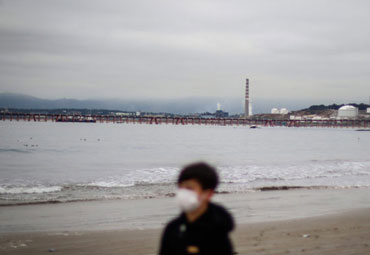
x=253, y=126
x=78, y=120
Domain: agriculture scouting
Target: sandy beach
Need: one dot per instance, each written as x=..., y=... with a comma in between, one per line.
x=336, y=225
x=345, y=233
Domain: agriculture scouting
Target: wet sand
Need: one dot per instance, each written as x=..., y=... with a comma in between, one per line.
x=343, y=233
x=154, y=213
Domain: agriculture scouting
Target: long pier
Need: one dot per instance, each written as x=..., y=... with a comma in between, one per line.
x=155, y=120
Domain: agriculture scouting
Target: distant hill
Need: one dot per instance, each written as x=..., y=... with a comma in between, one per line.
x=326, y=110
x=181, y=106
x=10, y=100
x=315, y=108
x=20, y=101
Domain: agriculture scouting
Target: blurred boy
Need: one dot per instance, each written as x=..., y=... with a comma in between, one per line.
x=203, y=227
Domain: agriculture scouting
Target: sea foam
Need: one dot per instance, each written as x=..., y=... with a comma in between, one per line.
x=29, y=190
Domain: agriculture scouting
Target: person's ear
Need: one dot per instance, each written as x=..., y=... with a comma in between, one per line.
x=209, y=194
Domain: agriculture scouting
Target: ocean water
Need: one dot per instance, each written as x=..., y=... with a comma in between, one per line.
x=61, y=162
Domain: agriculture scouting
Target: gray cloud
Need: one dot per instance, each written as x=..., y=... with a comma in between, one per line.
x=306, y=50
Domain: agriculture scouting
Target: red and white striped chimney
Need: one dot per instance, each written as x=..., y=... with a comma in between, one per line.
x=246, y=106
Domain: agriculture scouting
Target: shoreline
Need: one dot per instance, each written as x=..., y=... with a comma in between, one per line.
x=334, y=234
x=172, y=194
x=153, y=213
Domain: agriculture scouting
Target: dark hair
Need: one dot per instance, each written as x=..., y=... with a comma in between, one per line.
x=201, y=172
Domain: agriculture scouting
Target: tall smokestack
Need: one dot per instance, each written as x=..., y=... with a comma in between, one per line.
x=246, y=106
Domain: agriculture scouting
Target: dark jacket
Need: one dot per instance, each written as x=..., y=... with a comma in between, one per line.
x=208, y=235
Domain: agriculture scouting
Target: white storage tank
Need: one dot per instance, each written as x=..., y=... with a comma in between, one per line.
x=275, y=111
x=284, y=111
x=348, y=111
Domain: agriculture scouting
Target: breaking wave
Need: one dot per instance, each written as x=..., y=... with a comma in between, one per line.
x=160, y=182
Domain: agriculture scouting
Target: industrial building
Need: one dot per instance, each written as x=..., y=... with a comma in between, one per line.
x=221, y=114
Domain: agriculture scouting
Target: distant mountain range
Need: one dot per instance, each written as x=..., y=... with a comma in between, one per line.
x=179, y=106
x=176, y=106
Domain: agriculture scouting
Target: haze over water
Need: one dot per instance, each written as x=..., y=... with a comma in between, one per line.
x=44, y=162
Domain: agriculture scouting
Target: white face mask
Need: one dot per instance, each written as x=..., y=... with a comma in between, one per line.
x=187, y=200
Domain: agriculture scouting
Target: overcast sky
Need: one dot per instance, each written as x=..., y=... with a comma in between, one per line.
x=316, y=50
